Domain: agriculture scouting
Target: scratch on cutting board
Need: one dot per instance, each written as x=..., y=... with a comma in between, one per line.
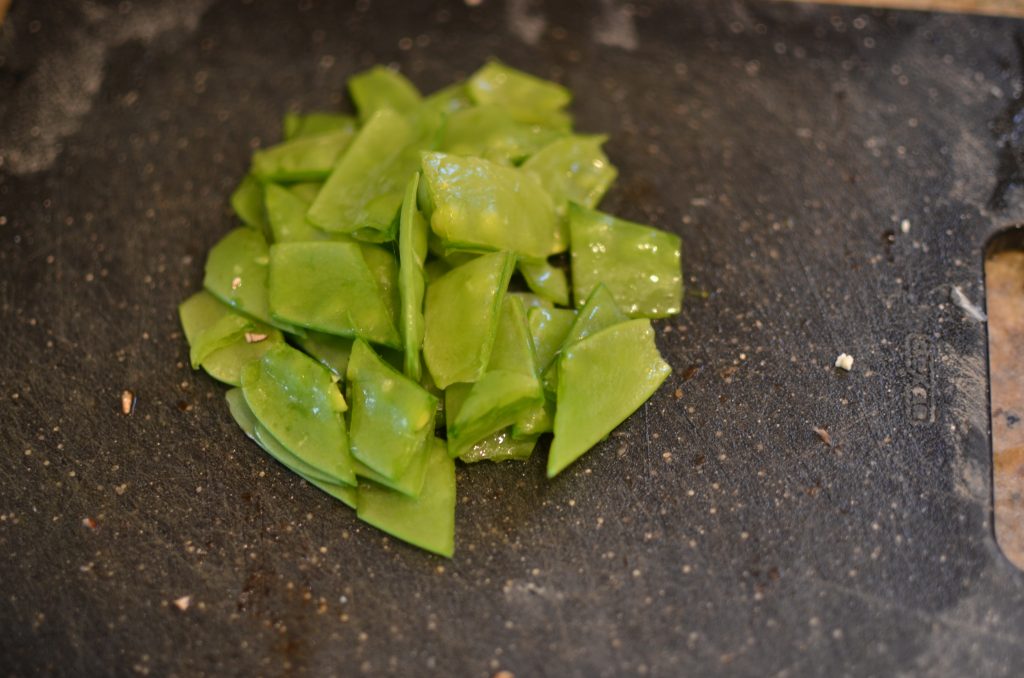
x=615, y=27
x=957, y=296
x=526, y=25
x=56, y=97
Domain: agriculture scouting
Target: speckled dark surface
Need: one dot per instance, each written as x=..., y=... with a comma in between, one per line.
x=713, y=533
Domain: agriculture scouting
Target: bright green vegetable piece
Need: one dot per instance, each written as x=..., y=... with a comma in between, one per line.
x=546, y=281
x=461, y=318
x=412, y=252
x=246, y=420
x=297, y=400
x=410, y=483
x=286, y=213
x=364, y=191
x=392, y=416
x=491, y=132
x=573, y=169
x=639, y=264
x=601, y=381
x=329, y=350
x=528, y=97
x=599, y=311
x=427, y=521
x=502, y=446
x=312, y=124
x=478, y=204
x=247, y=202
x=450, y=99
x=306, y=190
x=549, y=328
x=535, y=421
x=308, y=158
x=379, y=88
x=328, y=287
x=215, y=344
x=384, y=268
x=236, y=273
x=508, y=390
x=531, y=300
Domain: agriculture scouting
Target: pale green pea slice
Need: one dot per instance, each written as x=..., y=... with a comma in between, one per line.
x=547, y=281
x=311, y=124
x=529, y=98
x=378, y=88
x=491, y=132
x=308, y=158
x=573, y=169
x=502, y=446
x=412, y=252
x=247, y=202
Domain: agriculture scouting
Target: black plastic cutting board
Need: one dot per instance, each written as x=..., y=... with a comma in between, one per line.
x=713, y=533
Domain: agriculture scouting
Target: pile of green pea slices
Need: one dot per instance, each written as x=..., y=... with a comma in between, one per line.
x=369, y=304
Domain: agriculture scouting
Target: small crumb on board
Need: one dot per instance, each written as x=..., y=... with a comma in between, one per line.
x=844, y=362
x=825, y=436
x=127, y=402
x=183, y=602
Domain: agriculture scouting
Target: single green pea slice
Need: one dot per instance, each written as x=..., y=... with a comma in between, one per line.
x=491, y=132
x=297, y=400
x=546, y=281
x=306, y=190
x=427, y=521
x=365, y=189
x=286, y=213
x=236, y=273
x=461, y=318
x=410, y=483
x=311, y=124
x=601, y=381
x=502, y=446
x=639, y=264
x=531, y=300
x=412, y=252
x=328, y=287
x=392, y=416
x=210, y=349
x=308, y=158
x=384, y=267
x=528, y=97
x=450, y=99
x=549, y=327
x=247, y=202
x=573, y=169
x=536, y=420
x=599, y=311
x=481, y=205
x=508, y=390
x=246, y=420
x=329, y=350
x=379, y=88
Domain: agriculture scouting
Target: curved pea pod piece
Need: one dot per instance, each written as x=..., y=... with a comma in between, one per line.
x=392, y=417
x=412, y=253
x=536, y=420
x=601, y=381
x=384, y=267
x=379, y=88
x=308, y=158
x=365, y=189
x=410, y=483
x=297, y=400
x=546, y=281
x=600, y=310
x=502, y=446
x=461, y=318
x=311, y=124
x=236, y=273
x=530, y=98
x=492, y=133
x=505, y=393
x=450, y=99
x=328, y=287
x=548, y=328
x=329, y=350
x=246, y=420
x=247, y=202
x=481, y=205
x=428, y=521
x=215, y=344
x=639, y=264
x=573, y=169
x=286, y=214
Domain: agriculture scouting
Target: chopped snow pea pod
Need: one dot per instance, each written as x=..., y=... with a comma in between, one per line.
x=449, y=99
x=461, y=318
x=384, y=267
x=312, y=124
x=549, y=327
x=599, y=311
x=412, y=251
x=392, y=418
x=529, y=98
x=308, y=158
x=286, y=213
x=306, y=190
x=531, y=300
x=602, y=380
x=222, y=359
x=502, y=446
x=478, y=204
x=297, y=400
x=246, y=420
x=379, y=88
x=573, y=169
x=247, y=202
x=365, y=189
x=639, y=264
x=236, y=273
x=535, y=421
x=508, y=389
x=546, y=281
x=427, y=521
x=329, y=287
x=329, y=350
x=410, y=483
x=491, y=132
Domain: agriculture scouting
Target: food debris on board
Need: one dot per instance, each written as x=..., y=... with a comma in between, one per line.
x=824, y=435
x=127, y=402
x=183, y=602
x=412, y=256
x=844, y=362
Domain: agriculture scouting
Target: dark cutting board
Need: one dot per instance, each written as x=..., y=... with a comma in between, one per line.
x=713, y=533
